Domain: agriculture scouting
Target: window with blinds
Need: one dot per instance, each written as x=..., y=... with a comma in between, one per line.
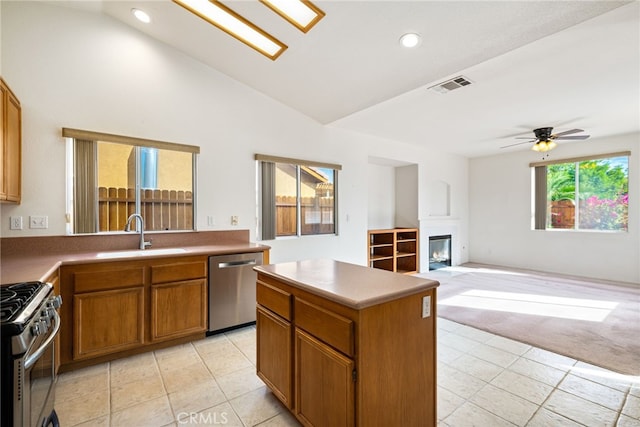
x=586, y=193
x=297, y=197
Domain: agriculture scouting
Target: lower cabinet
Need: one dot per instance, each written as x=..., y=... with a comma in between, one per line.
x=339, y=366
x=178, y=309
x=324, y=383
x=107, y=322
x=113, y=309
x=274, y=344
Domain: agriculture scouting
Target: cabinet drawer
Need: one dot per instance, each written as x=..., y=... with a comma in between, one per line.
x=89, y=281
x=178, y=271
x=274, y=299
x=333, y=329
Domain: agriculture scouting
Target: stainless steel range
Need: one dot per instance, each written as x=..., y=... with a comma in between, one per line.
x=29, y=322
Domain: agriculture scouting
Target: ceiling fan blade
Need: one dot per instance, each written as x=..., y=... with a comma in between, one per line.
x=567, y=132
x=517, y=143
x=525, y=137
x=572, y=137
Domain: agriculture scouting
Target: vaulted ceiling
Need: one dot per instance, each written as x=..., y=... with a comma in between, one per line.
x=563, y=64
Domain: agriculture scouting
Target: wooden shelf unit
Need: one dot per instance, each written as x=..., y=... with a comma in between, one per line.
x=394, y=249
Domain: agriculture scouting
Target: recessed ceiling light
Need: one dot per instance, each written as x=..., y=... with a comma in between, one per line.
x=302, y=14
x=410, y=40
x=235, y=25
x=141, y=15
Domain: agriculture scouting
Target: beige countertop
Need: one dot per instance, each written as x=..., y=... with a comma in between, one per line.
x=348, y=284
x=23, y=266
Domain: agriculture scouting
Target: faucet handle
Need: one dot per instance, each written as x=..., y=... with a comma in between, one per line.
x=147, y=244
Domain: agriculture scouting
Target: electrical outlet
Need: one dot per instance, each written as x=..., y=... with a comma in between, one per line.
x=426, y=306
x=38, y=221
x=211, y=221
x=234, y=220
x=15, y=223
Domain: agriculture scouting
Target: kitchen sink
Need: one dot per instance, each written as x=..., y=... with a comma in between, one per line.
x=131, y=253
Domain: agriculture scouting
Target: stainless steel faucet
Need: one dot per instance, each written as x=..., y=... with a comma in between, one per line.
x=127, y=227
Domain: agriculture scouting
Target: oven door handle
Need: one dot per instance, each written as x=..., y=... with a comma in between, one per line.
x=36, y=355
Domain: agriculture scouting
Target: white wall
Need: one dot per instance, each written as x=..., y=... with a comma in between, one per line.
x=72, y=68
x=501, y=210
x=382, y=196
x=407, y=184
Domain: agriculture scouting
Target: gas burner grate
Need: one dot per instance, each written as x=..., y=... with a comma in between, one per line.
x=15, y=297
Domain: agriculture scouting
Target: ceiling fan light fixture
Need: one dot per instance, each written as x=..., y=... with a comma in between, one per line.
x=301, y=13
x=544, y=146
x=235, y=25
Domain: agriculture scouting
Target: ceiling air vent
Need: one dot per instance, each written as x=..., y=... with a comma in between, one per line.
x=449, y=85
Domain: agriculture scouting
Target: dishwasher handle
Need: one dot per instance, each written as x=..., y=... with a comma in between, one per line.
x=232, y=264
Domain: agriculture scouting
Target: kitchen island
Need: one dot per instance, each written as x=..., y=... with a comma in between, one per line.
x=346, y=345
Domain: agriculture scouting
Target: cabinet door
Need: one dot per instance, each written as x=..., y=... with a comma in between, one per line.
x=274, y=354
x=107, y=322
x=178, y=309
x=12, y=146
x=324, y=384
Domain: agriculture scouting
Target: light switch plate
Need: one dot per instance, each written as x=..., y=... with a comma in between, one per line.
x=38, y=221
x=426, y=306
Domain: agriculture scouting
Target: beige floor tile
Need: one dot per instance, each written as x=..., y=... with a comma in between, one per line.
x=447, y=325
x=546, y=418
x=220, y=415
x=479, y=368
x=463, y=344
x=632, y=407
x=525, y=387
x=548, y=358
x=257, y=406
x=596, y=393
x=602, y=376
x=494, y=355
x=460, y=383
x=474, y=334
x=197, y=398
x=152, y=413
x=71, y=387
x=580, y=410
x=83, y=408
x=470, y=415
x=284, y=419
x=101, y=369
x=133, y=369
x=626, y=421
x=447, y=354
x=537, y=371
x=213, y=344
x=130, y=394
x=224, y=363
x=504, y=404
x=96, y=422
x=176, y=359
x=509, y=345
x=185, y=377
x=239, y=382
x=448, y=402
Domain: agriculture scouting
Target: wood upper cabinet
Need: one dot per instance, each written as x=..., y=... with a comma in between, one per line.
x=111, y=309
x=11, y=150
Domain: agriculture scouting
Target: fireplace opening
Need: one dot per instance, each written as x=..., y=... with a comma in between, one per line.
x=439, y=252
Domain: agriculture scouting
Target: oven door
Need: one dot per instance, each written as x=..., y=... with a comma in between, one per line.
x=38, y=387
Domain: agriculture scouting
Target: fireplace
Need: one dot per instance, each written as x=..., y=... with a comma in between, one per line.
x=439, y=252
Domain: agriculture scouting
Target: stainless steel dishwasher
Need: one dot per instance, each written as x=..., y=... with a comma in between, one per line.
x=232, y=290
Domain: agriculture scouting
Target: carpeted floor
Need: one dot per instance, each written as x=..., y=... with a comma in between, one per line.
x=592, y=321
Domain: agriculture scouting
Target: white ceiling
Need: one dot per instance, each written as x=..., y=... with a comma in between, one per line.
x=563, y=64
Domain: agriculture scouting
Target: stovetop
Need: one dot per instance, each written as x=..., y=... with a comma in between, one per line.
x=18, y=302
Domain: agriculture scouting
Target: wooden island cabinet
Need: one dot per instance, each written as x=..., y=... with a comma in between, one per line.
x=346, y=345
x=113, y=309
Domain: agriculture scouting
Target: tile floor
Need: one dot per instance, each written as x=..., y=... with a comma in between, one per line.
x=483, y=380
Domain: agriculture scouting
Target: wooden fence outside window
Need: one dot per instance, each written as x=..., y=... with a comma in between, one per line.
x=161, y=209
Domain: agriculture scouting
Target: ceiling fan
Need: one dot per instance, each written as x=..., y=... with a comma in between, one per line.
x=545, y=140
